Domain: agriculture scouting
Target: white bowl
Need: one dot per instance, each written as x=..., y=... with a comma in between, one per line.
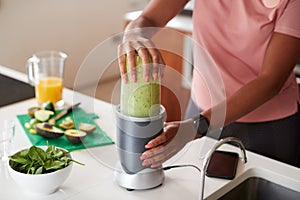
x=41, y=183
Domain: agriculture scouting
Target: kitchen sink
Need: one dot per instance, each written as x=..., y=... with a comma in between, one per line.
x=259, y=184
x=256, y=188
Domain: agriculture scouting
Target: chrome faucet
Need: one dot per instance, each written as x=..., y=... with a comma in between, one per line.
x=209, y=155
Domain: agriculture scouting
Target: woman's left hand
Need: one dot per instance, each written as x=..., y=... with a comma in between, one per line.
x=172, y=140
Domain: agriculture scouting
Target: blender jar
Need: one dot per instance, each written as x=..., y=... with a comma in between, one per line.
x=140, y=98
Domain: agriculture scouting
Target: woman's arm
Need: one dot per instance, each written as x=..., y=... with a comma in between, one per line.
x=137, y=38
x=281, y=56
x=158, y=13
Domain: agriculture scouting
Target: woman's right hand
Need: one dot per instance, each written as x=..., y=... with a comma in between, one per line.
x=174, y=137
x=135, y=42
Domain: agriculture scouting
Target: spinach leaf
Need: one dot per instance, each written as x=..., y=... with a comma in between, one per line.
x=21, y=160
x=37, y=161
x=39, y=170
x=37, y=154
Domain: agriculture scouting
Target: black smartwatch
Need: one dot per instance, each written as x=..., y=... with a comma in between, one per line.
x=201, y=124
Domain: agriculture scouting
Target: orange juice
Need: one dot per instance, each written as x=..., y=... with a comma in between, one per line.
x=49, y=89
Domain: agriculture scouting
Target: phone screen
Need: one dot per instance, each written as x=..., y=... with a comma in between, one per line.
x=223, y=164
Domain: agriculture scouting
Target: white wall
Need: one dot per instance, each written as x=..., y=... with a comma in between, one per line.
x=135, y=5
x=73, y=26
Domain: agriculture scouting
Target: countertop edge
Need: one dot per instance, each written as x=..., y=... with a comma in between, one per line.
x=13, y=74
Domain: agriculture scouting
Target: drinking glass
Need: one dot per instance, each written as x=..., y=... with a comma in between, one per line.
x=7, y=132
x=45, y=72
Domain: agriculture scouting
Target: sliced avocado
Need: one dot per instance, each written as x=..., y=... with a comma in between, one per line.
x=67, y=123
x=75, y=136
x=66, y=127
x=48, y=131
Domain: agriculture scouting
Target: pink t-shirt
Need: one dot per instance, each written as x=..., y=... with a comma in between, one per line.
x=234, y=36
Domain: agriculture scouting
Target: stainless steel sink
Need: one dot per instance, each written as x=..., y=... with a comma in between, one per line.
x=259, y=184
x=256, y=188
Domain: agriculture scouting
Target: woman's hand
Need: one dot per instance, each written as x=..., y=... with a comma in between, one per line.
x=171, y=141
x=136, y=42
x=137, y=36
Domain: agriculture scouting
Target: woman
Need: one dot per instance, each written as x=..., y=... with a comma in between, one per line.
x=255, y=44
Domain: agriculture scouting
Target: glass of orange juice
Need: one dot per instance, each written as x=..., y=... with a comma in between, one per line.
x=45, y=72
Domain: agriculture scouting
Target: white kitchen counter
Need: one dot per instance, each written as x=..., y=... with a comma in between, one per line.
x=95, y=179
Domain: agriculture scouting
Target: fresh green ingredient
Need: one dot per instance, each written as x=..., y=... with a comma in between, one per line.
x=40, y=115
x=47, y=130
x=32, y=131
x=67, y=123
x=86, y=127
x=75, y=136
x=43, y=115
x=52, y=122
x=31, y=123
x=141, y=98
x=27, y=125
x=49, y=106
x=32, y=110
x=35, y=160
x=144, y=101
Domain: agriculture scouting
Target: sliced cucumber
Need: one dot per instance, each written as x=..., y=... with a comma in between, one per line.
x=32, y=110
x=33, y=121
x=43, y=115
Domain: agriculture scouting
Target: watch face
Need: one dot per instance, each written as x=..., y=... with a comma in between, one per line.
x=203, y=125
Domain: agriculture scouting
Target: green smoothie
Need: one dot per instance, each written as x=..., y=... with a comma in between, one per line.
x=141, y=98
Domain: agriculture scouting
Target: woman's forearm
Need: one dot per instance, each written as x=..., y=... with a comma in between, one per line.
x=157, y=13
x=281, y=57
x=245, y=100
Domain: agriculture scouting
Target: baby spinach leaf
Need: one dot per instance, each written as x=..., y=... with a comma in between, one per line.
x=57, y=164
x=24, y=153
x=37, y=155
x=37, y=161
x=20, y=160
x=39, y=170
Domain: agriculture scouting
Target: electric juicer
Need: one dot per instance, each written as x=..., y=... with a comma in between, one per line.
x=139, y=118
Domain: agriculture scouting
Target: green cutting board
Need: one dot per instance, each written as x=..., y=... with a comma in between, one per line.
x=95, y=139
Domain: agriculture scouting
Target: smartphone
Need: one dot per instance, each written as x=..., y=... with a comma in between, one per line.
x=223, y=164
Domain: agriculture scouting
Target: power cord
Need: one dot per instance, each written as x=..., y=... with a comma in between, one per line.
x=178, y=166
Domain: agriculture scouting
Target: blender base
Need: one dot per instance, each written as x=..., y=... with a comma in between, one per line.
x=145, y=179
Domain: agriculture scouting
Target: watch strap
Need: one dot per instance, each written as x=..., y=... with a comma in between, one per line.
x=201, y=124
